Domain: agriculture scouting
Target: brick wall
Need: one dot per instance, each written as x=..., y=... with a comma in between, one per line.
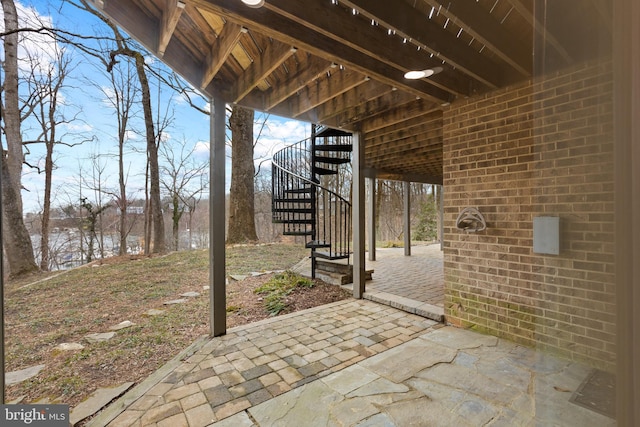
x=543, y=148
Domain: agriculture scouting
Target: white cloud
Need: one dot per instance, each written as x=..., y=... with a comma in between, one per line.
x=165, y=136
x=109, y=96
x=131, y=136
x=33, y=44
x=79, y=127
x=287, y=130
x=202, y=148
x=277, y=134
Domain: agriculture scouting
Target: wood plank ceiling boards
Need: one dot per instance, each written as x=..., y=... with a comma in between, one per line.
x=341, y=63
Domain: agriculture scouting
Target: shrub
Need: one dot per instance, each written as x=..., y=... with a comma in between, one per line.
x=275, y=291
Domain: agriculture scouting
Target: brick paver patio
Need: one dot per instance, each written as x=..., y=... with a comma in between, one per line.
x=360, y=363
x=419, y=277
x=256, y=362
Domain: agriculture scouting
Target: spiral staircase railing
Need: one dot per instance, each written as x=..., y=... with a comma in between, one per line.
x=301, y=201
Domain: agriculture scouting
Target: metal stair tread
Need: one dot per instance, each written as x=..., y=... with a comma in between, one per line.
x=297, y=233
x=325, y=171
x=293, y=221
x=290, y=200
x=334, y=147
x=299, y=190
x=293, y=210
x=331, y=160
x=312, y=244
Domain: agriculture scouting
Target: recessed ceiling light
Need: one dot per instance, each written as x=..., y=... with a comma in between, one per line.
x=254, y=3
x=421, y=74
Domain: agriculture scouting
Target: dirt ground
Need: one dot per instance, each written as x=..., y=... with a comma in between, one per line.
x=252, y=309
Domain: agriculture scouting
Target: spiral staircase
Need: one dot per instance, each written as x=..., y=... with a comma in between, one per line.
x=309, y=193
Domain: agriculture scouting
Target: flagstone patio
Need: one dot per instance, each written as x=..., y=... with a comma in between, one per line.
x=357, y=363
x=360, y=363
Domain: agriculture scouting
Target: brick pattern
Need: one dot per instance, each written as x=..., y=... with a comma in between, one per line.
x=540, y=148
x=257, y=362
x=419, y=277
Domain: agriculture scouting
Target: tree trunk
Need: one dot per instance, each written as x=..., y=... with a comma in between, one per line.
x=17, y=242
x=11, y=107
x=158, y=244
x=123, y=201
x=242, y=226
x=46, y=208
x=177, y=214
x=147, y=212
x=123, y=107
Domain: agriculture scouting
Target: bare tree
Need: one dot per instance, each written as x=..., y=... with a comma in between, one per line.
x=17, y=242
x=94, y=181
x=123, y=49
x=121, y=97
x=46, y=83
x=183, y=178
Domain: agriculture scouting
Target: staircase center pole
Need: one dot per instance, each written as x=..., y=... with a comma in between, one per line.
x=314, y=202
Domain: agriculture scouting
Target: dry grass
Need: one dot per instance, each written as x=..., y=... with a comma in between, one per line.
x=40, y=314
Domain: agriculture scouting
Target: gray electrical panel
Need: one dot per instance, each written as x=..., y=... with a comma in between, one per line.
x=546, y=235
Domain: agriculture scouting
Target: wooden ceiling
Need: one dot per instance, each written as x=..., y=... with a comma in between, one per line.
x=341, y=63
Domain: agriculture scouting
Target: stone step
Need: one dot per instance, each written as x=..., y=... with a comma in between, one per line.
x=337, y=273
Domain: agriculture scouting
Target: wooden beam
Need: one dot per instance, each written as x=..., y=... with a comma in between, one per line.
x=414, y=152
x=417, y=131
x=325, y=89
x=485, y=28
x=413, y=108
x=129, y=16
x=340, y=25
x=408, y=161
x=272, y=57
x=421, y=148
x=428, y=121
x=220, y=51
x=387, y=102
x=381, y=173
x=422, y=161
x=170, y=17
x=423, y=141
x=313, y=69
x=145, y=30
x=408, y=22
x=291, y=32
x=430, y=174
x=351, y=99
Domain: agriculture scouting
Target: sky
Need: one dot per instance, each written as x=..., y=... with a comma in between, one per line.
x=86, y=99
